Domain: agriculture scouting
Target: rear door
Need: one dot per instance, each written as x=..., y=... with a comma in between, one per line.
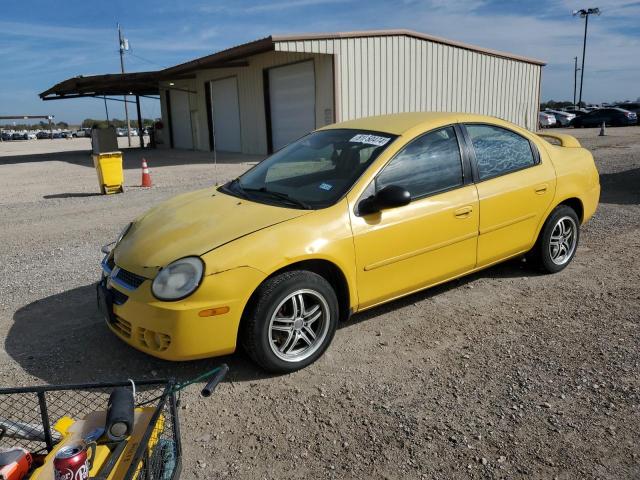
x=516, y=184
x=292, y=102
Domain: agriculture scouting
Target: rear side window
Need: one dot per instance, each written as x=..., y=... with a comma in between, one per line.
x=499, y=151
x=428, y=165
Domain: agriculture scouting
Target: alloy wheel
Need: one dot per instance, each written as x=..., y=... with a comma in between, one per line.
x=299, y=325
x=563, y=240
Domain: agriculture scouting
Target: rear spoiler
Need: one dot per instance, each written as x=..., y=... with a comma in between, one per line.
x=565, y=140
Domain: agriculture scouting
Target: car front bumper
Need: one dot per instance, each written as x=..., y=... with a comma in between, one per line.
x=177, y=330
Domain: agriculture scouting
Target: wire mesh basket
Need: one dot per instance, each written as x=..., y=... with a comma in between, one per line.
x=28, y=416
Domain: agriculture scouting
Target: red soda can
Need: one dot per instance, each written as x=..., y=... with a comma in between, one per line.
x=72, y=462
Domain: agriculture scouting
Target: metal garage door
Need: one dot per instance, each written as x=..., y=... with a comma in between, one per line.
x=181, y=120
x=226, y=114
x=292, y=99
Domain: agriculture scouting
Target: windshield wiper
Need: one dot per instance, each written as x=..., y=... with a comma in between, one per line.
x=237, y=186
x=278, y=195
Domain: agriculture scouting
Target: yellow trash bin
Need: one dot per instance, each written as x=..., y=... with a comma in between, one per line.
x=109, y=169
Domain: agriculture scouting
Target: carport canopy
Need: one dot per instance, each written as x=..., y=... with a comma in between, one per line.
x=139, y=84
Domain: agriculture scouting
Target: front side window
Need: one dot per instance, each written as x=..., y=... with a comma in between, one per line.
x=313, y=172
x=499, y=151
x=428, y=165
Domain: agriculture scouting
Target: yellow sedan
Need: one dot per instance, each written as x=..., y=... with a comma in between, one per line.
x=346, y=218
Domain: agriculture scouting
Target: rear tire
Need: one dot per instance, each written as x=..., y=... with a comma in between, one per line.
x=558, y=240
x=290, y=321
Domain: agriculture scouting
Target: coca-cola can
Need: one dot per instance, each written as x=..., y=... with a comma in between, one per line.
x=72, y=462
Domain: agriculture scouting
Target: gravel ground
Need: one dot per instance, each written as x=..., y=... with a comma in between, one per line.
x=503, y=374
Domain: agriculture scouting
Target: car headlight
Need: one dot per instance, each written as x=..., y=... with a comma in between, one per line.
x=124, y=231
x=179, y=279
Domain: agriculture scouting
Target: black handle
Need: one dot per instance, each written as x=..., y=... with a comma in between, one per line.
x=217, y=378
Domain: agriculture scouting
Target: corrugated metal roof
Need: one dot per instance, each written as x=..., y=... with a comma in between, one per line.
x=402, y=32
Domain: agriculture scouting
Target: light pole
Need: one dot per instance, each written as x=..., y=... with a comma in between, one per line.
x=124, y=45
x=575, y=78
x=584, y=13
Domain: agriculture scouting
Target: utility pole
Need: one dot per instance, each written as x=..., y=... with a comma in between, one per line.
x=124, y=45
x=584, y=13
x=575, y=78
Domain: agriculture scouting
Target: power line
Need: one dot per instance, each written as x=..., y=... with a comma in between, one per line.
x=145, y=59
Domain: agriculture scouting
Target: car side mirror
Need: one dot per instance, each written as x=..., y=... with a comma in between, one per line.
x=391, y=196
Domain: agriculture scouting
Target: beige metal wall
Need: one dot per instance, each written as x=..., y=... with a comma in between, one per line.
x=253, y=127
x=390, y=74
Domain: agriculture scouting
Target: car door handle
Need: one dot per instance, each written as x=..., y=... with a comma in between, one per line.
x=540, y=189
x=463, y=212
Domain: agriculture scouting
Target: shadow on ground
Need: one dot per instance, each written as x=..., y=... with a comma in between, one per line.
x=63, y=339
x=72, y=195
x=621, y=188
x=132, y=158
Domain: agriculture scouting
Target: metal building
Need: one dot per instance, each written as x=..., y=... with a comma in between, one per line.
x=256, y=97
x=259, y=96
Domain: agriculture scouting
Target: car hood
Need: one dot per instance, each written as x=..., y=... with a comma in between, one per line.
x=193, y=224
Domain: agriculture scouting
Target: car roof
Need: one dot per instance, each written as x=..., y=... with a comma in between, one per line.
x=399, y=123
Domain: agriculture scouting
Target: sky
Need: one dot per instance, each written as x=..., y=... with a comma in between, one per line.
x=42, y=43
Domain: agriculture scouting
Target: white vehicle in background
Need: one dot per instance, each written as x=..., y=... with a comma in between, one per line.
x=546, y=120
x=562, y=118
x=31, y=135
x=82, y=132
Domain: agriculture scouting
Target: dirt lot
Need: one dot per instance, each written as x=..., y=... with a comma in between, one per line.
x=505, y=374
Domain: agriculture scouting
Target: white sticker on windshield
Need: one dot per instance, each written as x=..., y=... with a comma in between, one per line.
x=370, y=139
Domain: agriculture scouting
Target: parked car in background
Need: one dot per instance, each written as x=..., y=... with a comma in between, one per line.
x=562, y=118
x=363, y=212
x=19, y=136
x=31, y=135
x=6, y=136
x=121, y=132
x=57, y=135
x=546, y=120
x=631, y=106
x=612, y=117
x=42, y=134
x=66, y=134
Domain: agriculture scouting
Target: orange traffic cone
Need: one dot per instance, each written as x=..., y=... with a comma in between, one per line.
x=146, y=176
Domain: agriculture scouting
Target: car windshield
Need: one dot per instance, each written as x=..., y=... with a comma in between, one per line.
x=313, y=172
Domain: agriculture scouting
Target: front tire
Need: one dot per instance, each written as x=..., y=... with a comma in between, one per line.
x=558, y=240
x=290, y=321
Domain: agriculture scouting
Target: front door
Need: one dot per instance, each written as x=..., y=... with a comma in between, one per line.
x=432, y=239
x=516, y=184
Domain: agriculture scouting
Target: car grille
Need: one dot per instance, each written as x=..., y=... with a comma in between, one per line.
x=124, y=278
x=130, y=279
x=119, y=298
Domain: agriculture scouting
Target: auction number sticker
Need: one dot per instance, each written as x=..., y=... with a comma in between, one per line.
x=370, y=139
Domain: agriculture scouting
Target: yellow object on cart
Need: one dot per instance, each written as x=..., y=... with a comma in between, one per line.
x=109, y=169
x=74, y=431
